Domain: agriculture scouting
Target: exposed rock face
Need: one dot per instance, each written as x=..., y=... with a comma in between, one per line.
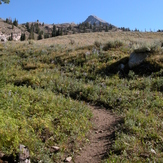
x=136, y=59
x=16, y=36
x=94, y=19
x=4, y=37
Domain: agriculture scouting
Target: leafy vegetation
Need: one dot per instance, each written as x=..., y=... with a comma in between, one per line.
x=45, y=88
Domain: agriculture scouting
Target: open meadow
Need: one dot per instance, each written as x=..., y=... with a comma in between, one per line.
x=47, y=87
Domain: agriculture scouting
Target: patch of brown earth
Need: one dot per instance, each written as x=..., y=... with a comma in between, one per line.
x=101, y=137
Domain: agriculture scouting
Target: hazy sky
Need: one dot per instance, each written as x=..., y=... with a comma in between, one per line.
x=140, y=14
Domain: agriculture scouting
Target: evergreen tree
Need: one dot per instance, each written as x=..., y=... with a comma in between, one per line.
x=23, y=37
x=31, y=35
x=27, y=26
x=11, y=37
x=39, y=36
x=58, y=32
x=61, y=32
x=15, y=22
x=106, y=28
x=46, y=35
x=87, y=25
x=37, y=29
x=54, y=31
x=90, y=26
x=9, y=20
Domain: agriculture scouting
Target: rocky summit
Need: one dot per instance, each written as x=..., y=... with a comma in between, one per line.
x=92, y=19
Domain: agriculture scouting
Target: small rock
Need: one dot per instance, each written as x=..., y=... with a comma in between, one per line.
x=101, y=131
x=24, y=154
x=1, y=154
x=153, y=151
x=68, y=159
x=54, y=149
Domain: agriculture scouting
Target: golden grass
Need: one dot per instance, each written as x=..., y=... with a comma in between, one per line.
x=84, y=39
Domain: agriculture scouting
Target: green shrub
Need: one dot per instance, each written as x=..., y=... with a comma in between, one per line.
x=115, y=44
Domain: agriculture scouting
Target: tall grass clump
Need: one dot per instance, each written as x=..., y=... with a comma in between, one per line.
x=112, y=44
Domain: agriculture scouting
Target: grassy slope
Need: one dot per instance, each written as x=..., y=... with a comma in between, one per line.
x=41, y=78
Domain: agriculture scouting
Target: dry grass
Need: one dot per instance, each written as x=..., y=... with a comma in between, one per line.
x=103, y=37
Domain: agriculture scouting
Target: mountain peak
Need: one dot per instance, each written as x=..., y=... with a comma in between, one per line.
x=94, y=19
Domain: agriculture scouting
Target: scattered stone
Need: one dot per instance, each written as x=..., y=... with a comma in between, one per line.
x=24, y=156
x=68, y=159
x=54, y=149
x=1, y=154
x=97, y=132
x=101, y=131
x=153, y=151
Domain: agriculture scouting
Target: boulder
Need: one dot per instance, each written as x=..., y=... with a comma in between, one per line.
x=137, y=58
x=24, y=156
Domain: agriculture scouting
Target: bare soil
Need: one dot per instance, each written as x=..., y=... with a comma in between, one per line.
x=101, y=137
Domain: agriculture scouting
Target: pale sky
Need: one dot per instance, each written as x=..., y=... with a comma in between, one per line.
x=140, y=14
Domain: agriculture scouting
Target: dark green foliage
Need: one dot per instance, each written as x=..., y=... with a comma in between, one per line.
x=11, y=37
x=31, y=35
x=36, y=28
x=40, y=35
x=4, y=1
x=46, y=35
x=23, y=37
x=54, y=32
x=106, y=29
x=15, y=22
x=115, y=44
x=9, y=20
x=27, y=26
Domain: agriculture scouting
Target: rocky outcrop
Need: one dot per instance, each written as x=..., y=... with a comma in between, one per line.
x=16, y=36
x=4, y=37
x=94, y=19
x=138, y=56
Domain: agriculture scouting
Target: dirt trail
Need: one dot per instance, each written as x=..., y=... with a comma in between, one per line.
x=101, y=137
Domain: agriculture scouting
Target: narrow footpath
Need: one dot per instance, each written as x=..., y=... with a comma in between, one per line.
x=101, y=137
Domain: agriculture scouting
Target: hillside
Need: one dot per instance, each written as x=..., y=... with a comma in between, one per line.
x=52, y=91
x=37, y=30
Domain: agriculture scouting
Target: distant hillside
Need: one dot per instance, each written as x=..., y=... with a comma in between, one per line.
x=37, y=30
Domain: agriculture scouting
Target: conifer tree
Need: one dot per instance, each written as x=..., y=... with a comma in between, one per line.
x=54, y=31
x=27, y=26
x=15, y=22
x=23, y=37
x=40, y=35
